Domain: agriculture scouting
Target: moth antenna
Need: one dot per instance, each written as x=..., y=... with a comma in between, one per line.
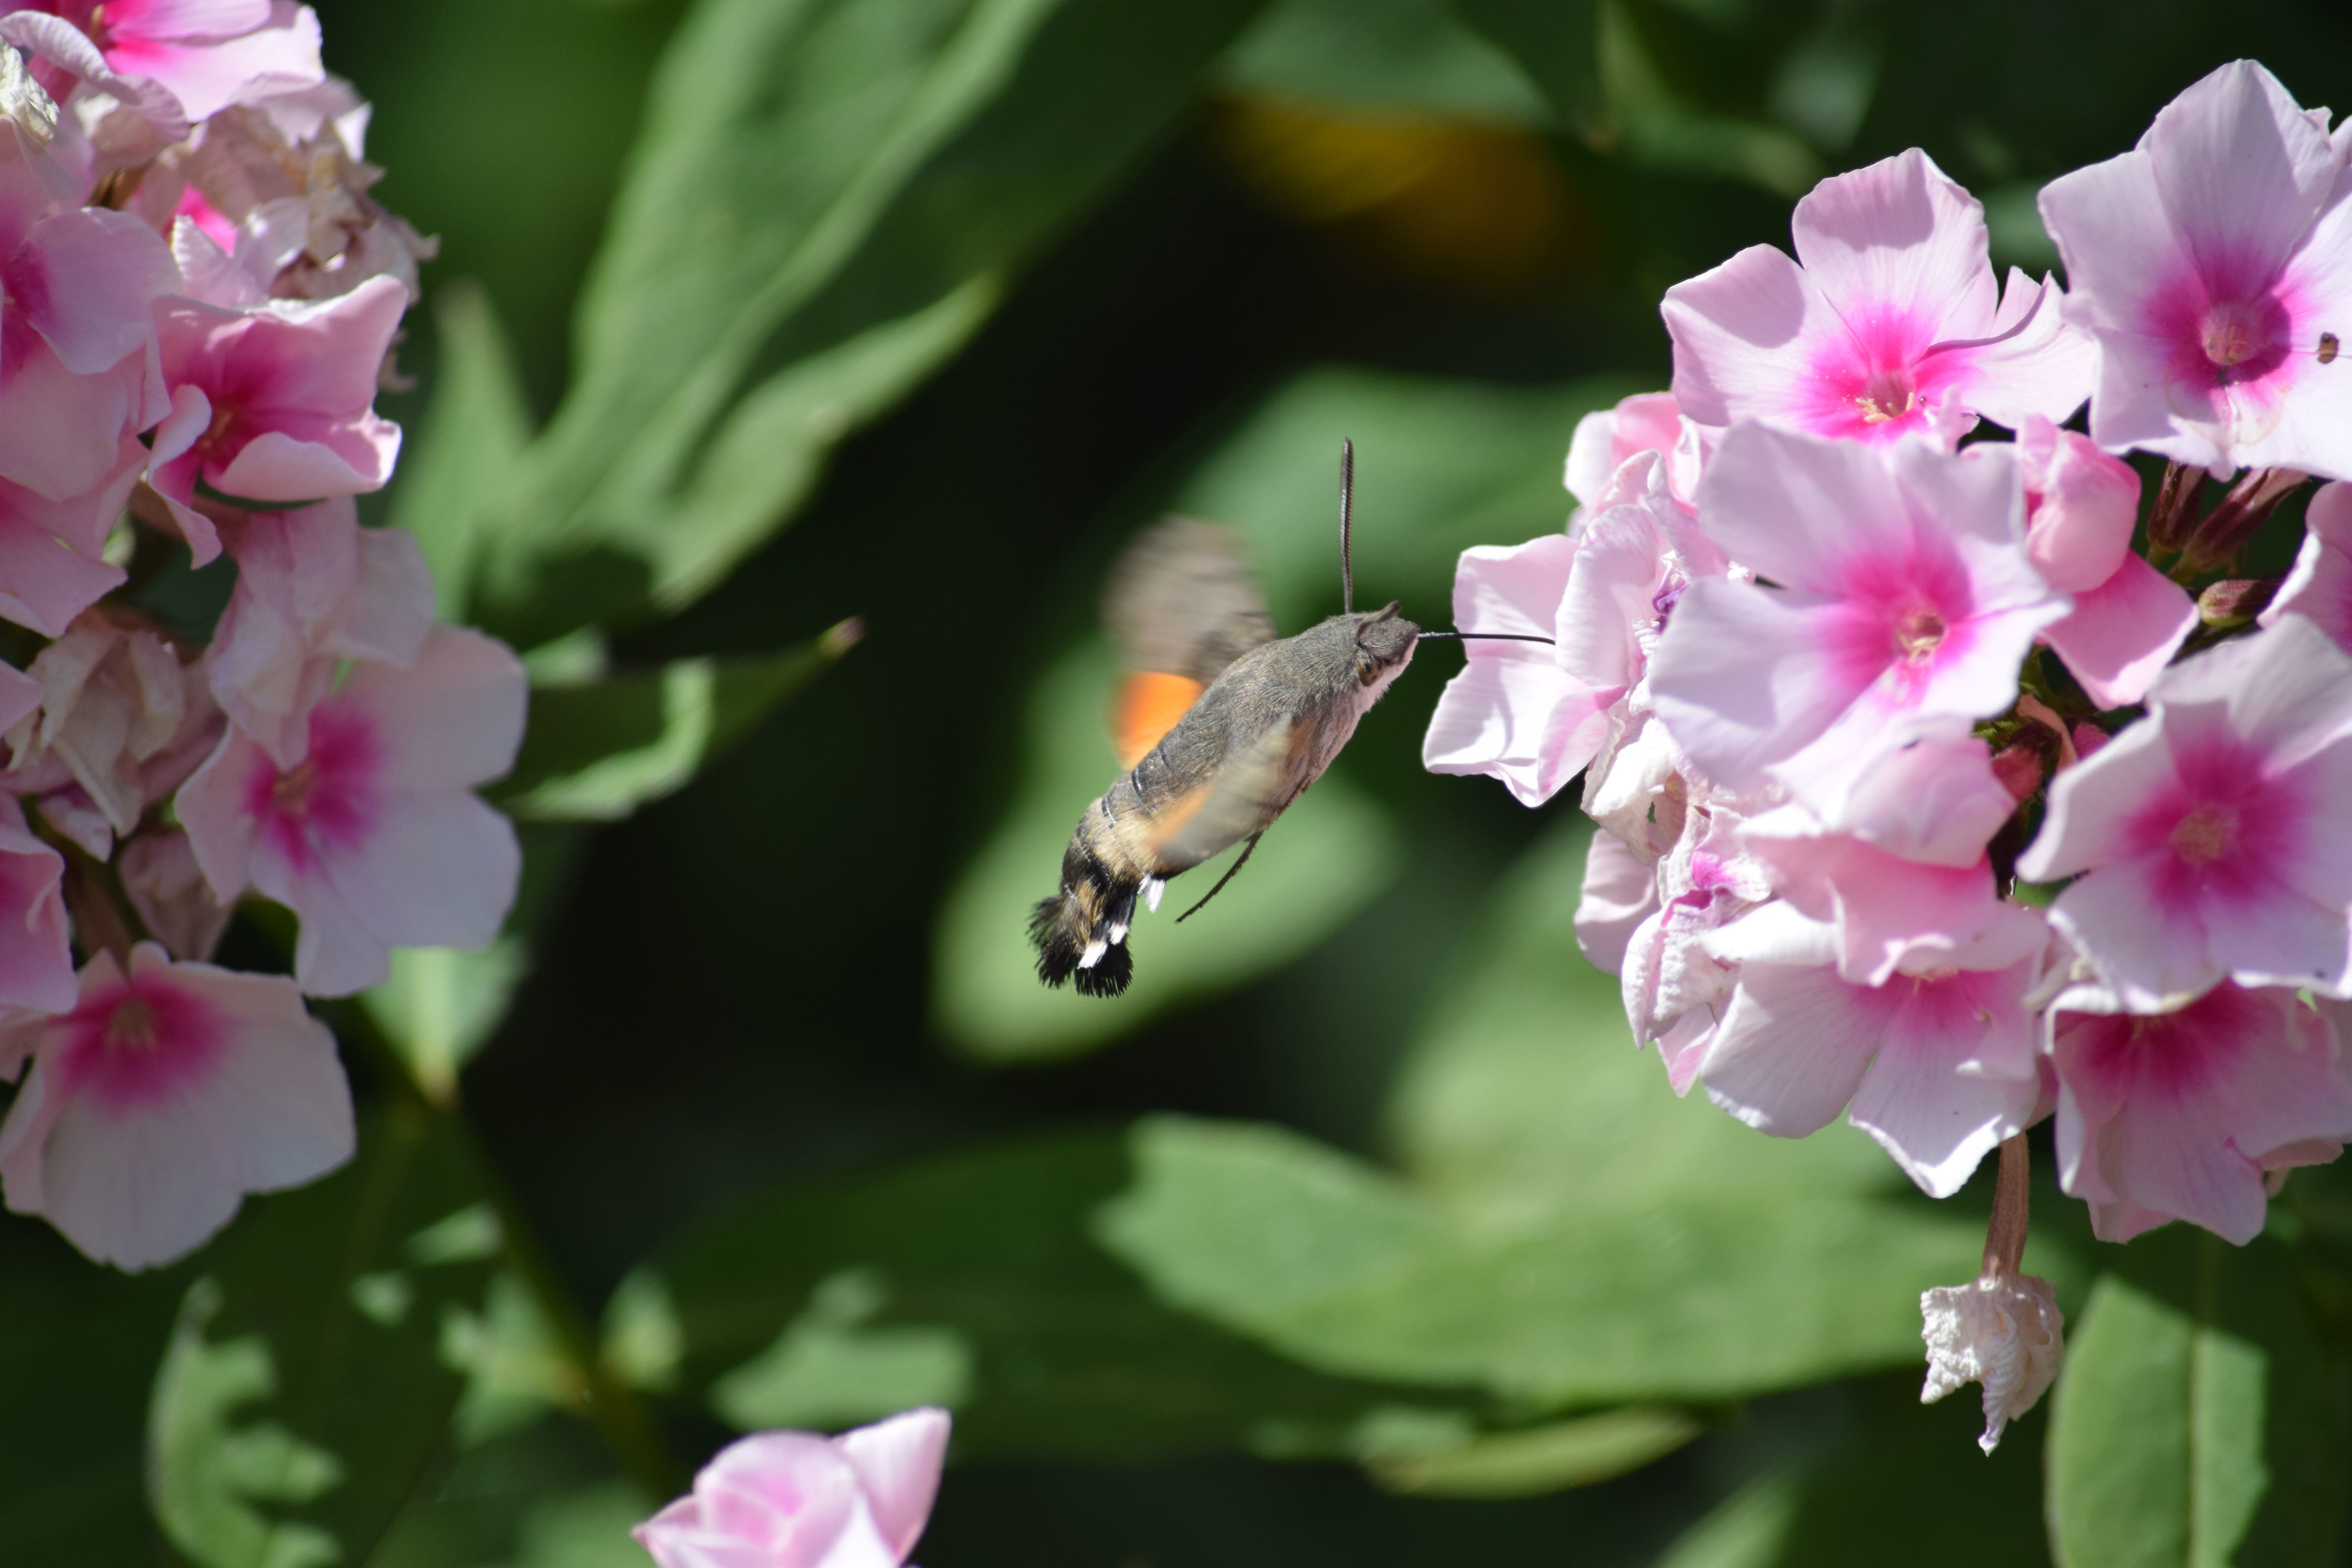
x=1346, y=555
x=1243, y=859
x=1481, y=637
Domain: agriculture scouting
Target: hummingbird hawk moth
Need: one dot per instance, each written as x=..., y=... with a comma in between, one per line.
x=1220, y=724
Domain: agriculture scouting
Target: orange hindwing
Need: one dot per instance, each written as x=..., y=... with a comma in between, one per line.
x=1149, y=703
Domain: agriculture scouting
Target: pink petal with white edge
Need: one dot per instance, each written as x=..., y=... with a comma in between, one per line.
x=98, y=275
x=897, y=1462
x=1790, y=1051
x=776, y=1499
x=61, y=434
x=1955, y=1076
x=1621, y=891
x=2320, y=586
x=2121, y=635
x=1605, y=438
x=2082, y=507
x=2037, y=364
x=1887, y=910
x=207, y=78
x=453, y=717
x=1740, y=330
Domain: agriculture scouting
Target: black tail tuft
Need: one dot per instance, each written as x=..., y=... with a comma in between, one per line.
x=1092, y=912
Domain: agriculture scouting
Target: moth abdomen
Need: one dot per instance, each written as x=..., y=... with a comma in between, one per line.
x=1081, y=931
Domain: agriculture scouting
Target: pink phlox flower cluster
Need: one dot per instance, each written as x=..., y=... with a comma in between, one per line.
x=1923, y=797
x=202, y=302
x=798, y=1499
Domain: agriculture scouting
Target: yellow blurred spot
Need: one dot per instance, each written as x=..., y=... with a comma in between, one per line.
x=1476, y=207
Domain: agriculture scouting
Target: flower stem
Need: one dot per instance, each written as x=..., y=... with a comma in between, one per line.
x=2012, y=1194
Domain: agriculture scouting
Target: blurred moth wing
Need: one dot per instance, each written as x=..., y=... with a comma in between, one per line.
x=1180, y=605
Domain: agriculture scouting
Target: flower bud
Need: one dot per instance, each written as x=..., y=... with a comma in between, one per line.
x=2236, y=600
x=2003, y=1331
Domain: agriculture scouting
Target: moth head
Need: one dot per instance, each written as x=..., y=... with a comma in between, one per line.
x=1384, y=641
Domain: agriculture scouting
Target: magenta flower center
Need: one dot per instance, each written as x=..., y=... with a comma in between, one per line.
x=2232, y=332
x=2204, y=835
x=329, y=801
x=1917, y=634
x=137, y=1045
x=1888, y=394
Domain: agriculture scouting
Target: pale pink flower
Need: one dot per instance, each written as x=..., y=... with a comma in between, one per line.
x=52, y=551
x=115, y=698
x=2213, y=265
x=1901, y=599
x=1673, y=985
x=2320, y=586
x=207, y=54
x=2213, y=831
x=1939, y=1065
x=2178, y=1115
x=78, y=339
x=2081, y=508
x=1535, y=716
x=35, y=963
x=276, y=401
x=374, y=838
x=165, y=885
x=798, y=1499
x=1620, y=892
x=1890, y=326
x=163, y=1098
x=313, y=587
x=1607, y=438
x=1891, y=857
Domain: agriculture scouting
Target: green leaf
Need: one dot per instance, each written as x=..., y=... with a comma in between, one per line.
x=543, y=1497
x=971, y=1279
x=822, y=208
x=441, y=1004
x=1566, y=1231
x=1382, y=55
x=1539, y=1459
x=473, y=433
x=305, y=1394
x=1440, y=465
x=2199, y=1420
x=78, y=1344
x=1553, y=41
x=597, y=751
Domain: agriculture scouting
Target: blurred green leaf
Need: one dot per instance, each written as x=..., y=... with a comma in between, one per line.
x=2199, y=1420
x=78, y=1344
x=836, y=1298
x=305, y=1392
x=597, y=751
x=1393, y=55
x=1544, y=1458
x=441, y=1004
x=474, y=431
x=819, y=211
x=543, y=1497
x=1567, y=1232
x=1553, y=41
x=1440, y=465
x=1666, y=126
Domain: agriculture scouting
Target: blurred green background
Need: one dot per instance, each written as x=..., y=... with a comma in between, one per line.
x=1357, y=1233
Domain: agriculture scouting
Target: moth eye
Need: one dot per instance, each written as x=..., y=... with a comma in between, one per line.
x=1367, y=668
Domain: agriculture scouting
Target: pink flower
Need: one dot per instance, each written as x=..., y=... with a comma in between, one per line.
x=276, y=401
x=52, y=560
x=1671, y=983
x=207, y=54
x=76, y=340
x=1606, y=439
x=36, y=964
x=1901, y=599
x=1892, y=858
x=162, y=1098
x=2213, y=265
x=2320, y=586
x=313, y=587
x=796, y=1500
x=1889, y=327
x=114, y=701
x=2178, y=1115
x=1939, y=1065
x=374, y=838
x=2210, y=838
x=2081, y=508
x=1620, y=891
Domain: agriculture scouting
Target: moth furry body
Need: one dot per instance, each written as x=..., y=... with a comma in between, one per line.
x=1263, y=729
